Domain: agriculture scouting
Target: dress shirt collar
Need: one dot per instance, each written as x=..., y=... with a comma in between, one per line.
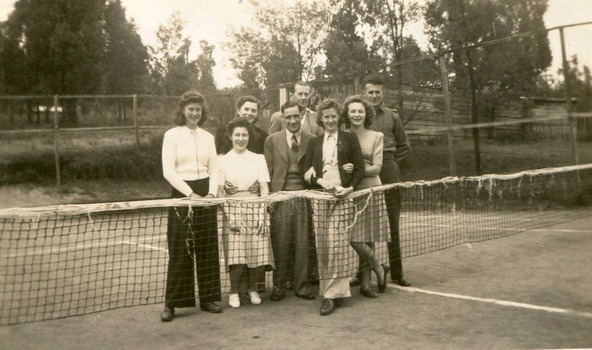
x=334, y=135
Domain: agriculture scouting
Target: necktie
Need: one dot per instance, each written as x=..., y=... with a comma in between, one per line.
x=295, y=145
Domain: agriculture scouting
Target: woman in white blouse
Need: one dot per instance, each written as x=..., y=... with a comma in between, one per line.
x=247, y=240
x=190, y=165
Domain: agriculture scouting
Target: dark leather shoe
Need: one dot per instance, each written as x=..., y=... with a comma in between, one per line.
x=382, y=287
x=327, y=307
x=167, y=314
x=278, y=294
x=370, y=293
x=402, y=282
x=307, y=296
x=210, y=307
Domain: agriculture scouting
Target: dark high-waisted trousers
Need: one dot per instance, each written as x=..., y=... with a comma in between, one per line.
x=203, y=245
x=389, y=173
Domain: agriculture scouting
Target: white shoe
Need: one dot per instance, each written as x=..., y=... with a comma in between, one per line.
x=255, y=298
x=234, y=300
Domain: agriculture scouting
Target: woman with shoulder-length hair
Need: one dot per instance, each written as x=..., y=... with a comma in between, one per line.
x=247, y=241
x=333, y=163
x=190, y=165
x=371, y=226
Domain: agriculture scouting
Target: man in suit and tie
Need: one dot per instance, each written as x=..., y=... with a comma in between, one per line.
x=309, y=118
x=284, y=153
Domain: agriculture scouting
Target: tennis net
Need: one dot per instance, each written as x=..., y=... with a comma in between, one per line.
x=61, y=261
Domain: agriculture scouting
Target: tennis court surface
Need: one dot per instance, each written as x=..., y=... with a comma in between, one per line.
x=486, y=273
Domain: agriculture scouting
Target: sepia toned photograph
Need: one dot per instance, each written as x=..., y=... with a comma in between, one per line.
x=297, y=174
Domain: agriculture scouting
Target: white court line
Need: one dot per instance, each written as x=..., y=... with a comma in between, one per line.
x=503, y=228
x=499, y=302
x=561, y=230
x=147, y=246
x=82, y=247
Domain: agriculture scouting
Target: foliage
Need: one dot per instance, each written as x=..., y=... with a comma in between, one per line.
x=126, y=58
x=283, y=45
x=63, y=44
x=345, y=48
x=509, y=68
x=70, y=47
x=171, y=70
x=580, y=85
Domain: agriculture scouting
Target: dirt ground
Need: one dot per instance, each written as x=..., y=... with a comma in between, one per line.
x=528, y=291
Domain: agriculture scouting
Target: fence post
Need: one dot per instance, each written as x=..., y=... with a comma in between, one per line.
x=56, y=139
x=357, y=90
x=448, y=113
x=573, y=131
x=283, y=94
x=136, y=126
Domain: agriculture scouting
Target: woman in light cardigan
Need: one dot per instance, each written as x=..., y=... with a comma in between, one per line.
x=189, y=163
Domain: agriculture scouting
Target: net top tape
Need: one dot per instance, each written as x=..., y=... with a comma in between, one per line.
x=81, y=209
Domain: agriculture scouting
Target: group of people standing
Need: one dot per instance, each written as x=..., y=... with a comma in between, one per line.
x=336, y=150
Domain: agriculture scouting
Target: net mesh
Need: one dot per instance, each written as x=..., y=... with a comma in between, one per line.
x=71, y=260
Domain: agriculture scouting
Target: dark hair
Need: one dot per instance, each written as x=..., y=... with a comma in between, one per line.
x=374, y=79
x=187, y=98
x=237, y=123
x=357, y=99
x=290, y=104
x=244, y=99
x=328, y=104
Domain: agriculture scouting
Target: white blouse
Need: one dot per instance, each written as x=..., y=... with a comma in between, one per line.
x=189, y=155
x=242, y=170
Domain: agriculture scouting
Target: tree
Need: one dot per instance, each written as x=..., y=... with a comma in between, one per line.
x=69, y=47
x=63, y=43
x=171, y=70
x=126, y=58
x=205, y=63
x=580, y=85
x=345, y=49
x=515, y=65
x=491, y=73
x=284, y=45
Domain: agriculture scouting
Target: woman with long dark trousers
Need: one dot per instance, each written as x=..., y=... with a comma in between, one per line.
x=190, y=165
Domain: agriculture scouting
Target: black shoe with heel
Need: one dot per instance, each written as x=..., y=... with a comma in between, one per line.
x=369, y=293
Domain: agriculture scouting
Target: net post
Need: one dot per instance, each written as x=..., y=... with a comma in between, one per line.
x=573, y=127
x=357, y=89
x=56, y=139
x=136, y=126
x=448, y=114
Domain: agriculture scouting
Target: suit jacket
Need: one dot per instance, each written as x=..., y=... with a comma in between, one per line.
x=276, y=123
x=276, y=156
x=348, y=151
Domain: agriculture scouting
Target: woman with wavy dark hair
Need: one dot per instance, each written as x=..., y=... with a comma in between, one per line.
x=371, y=226
x=246, y=237
x=190, y=165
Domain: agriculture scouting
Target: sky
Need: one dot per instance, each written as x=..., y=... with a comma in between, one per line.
x=211, y=20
